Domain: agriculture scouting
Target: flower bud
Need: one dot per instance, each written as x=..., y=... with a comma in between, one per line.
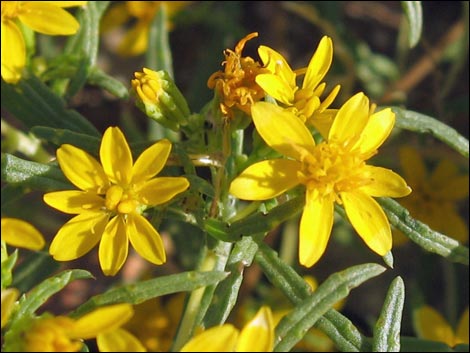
x=160, y=99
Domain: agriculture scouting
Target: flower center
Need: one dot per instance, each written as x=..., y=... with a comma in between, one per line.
x=331, y=169
x=120, y=200
x=10, y=9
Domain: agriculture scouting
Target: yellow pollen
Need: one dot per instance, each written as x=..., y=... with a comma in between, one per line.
x=330, y=170
x=120, y=200
x=10, y=9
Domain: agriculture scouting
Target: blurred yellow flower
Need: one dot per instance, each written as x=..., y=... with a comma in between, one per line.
x=111, y=200
x=64, y=334
x=9, y=297
x=333, y=171
x=256, y=336
x=155, y=322
x=140, y=14
x=45, y=17
x=21, y=234
x=236, y=86
x=304, y=102
x=435, y=196
x=430, y=324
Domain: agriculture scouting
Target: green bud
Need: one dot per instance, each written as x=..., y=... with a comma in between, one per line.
x=160, y=99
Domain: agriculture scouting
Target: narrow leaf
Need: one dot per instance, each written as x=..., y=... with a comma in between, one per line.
x=414, y=16
x=37, y=176
x=294, y=325
x=387, y=328
x=422, y=235
x=145, y=290
x=417, y=122
x=58, y=137
x=158, y=55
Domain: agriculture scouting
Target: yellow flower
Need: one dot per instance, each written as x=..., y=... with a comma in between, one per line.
x=111, y=201
x=9, y=296
x=140, y=14
x=64, y=334
x=431, y=325
x=45, y=17
x=155, y=322
x=332, y=171
x=21, y=234
x=304, y=102
x=435, y=196
x=256, y=336
x=236, y=85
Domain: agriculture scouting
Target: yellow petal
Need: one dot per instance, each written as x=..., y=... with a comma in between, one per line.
x=48, y=19
x=65, y=3
x=74, y=201
x=9, y=296
x=350, y=121
x=135, y=41
x=151, y=161
x=21, y=234
x=431, y=325
x=323, y=121
x=145, y=239
x=319, y=64
x=414, y=169
x=82, y=169
x=369, y=221
x=115, y=16
x=282, y=130
x=376, y=131
x=462, y=329
x=216, y=339
x=119, y=340
x=266, y=179
x=78, y=236
x=116, y=156
x=315, y=228
x=278, y=65
x=384, y=183
x=329, y=99
x=114, y=246
x=276, y=87
x=13, y=52
x=160, y=190
x=101, y=320
x=258, y=334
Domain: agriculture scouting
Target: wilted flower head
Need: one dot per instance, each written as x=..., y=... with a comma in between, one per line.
x=236, y=86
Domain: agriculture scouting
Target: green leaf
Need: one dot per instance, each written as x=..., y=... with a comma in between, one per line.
x=292, y=328
x=417, y=122
x=99, y=78
x=32, y=300
x=414, y=16
x=338, y=328
x=158, y=56
x=34, y=103
x=387, y=328
x=145, y=290
x=37, y=176
x=8, y=262
x=422, y=235
x=58, y=137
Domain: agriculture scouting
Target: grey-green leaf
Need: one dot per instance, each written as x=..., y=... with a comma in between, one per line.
x=414, y=16
x=387, y=328
x=145, y=290
x=294, y=325
x=422, y=235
